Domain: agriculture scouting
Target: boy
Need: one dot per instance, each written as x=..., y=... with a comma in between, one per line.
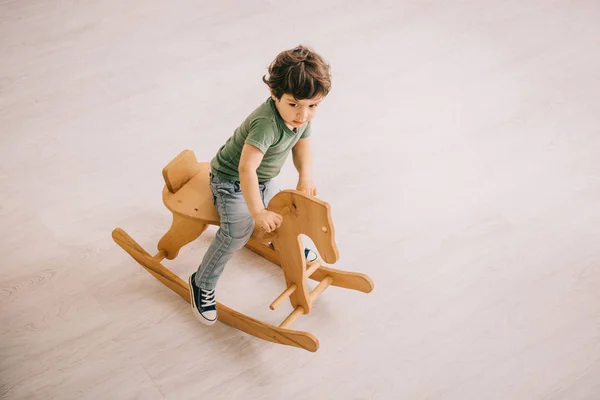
x=241, y=172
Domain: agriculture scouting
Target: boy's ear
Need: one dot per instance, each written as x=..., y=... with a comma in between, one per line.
x=273, y=95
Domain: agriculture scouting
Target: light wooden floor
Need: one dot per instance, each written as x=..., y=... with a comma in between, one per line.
x=459, y=150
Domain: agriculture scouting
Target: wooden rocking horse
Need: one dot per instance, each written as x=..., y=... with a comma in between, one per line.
x=187, y=195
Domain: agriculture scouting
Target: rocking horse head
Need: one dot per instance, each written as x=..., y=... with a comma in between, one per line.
x=309, y=216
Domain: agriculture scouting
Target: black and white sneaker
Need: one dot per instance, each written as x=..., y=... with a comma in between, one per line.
x=203, y=302
x=310, y=255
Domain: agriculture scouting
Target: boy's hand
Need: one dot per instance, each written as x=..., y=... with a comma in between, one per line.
x=307, y=187
x=268, y=220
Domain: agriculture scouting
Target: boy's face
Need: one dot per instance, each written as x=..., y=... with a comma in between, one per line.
x=296, y=113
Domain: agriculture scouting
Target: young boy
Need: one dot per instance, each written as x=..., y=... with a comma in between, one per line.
x=241, y=172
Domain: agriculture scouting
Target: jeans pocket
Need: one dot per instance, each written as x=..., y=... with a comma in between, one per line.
x=225, y=189
x=222, y=187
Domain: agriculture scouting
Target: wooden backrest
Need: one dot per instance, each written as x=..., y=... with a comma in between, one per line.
x=180, y=170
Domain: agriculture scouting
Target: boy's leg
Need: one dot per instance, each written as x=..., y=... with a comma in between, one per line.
x=236, y=228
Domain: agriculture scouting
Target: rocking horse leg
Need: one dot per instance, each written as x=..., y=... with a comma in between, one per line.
x=152, y=265
x=183, y=231
x=228, y=316
x=345, y=279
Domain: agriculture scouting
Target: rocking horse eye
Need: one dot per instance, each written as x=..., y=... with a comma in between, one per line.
x=324, y=229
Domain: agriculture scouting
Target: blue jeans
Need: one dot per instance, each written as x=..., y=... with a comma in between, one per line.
x=236, y=228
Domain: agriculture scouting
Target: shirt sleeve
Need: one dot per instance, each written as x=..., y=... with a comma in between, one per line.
x=307, y=131
x=261, y=134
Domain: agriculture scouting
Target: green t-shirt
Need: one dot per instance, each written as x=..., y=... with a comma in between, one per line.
x=265, y=129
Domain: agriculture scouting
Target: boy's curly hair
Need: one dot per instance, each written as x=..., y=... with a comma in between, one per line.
x=300, y=72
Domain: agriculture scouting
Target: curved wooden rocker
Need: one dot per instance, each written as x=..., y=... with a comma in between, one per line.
x=187, y=195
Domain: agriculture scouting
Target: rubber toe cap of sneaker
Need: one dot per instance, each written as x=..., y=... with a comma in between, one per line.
x=210, y=316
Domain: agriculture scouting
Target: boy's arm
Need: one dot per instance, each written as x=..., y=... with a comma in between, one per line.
x=249, y=162
x=302, y=156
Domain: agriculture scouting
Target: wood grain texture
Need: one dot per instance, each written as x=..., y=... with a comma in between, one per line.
x=346, y=279
x=226, y=315
x=180, y=170
x=183, y=230
x=194, y=199
x=458, y=150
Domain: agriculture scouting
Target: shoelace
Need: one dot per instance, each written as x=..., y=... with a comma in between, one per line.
x=208, y=297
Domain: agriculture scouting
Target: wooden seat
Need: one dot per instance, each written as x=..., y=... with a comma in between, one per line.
x=187, y=189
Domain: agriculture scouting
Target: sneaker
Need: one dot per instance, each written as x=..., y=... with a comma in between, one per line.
x=203, y=302
x=310, y=255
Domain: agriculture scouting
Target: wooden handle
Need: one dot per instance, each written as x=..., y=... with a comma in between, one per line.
x=292, y=317
x=314, y=295
x=264, y=236
x=287, y=293
x=324, y=284
x=313, y=267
